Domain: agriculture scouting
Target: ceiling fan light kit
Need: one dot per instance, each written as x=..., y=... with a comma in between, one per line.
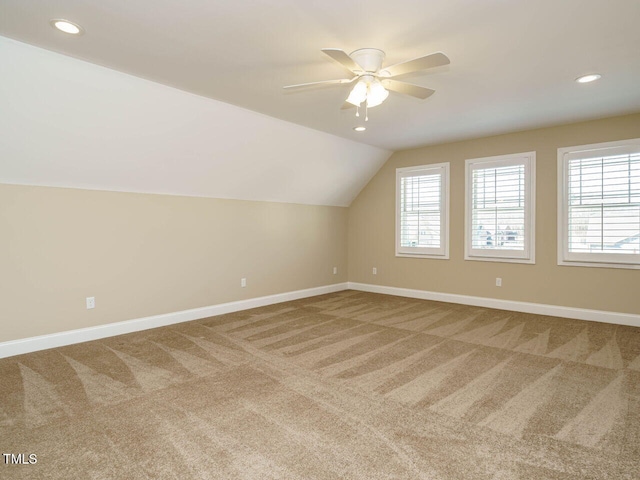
x=377, y=94
x=372, y=82
x=358, y=93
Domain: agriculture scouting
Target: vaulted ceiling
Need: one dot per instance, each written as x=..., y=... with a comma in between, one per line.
x=68, y=123
x=513, y=66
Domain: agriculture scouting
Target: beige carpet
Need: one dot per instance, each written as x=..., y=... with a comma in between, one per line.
x=348, y=385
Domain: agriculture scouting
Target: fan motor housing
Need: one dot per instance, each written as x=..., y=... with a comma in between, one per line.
x=370, y=59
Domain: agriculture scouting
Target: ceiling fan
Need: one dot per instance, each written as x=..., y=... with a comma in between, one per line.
x=374, y=82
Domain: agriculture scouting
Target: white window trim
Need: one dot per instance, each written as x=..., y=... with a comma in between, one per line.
x=602, y=260
x=424, y=252
x=509, y=256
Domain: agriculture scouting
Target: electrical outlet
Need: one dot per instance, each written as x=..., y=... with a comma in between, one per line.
x=91, y=303
x=335, y=270
x=243, y=282
x=498, y=282
x=375, y=271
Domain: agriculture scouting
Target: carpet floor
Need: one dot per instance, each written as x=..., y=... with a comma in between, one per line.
x=347, y=385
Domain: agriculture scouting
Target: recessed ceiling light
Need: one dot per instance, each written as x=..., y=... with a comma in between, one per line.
x=66, y=26
x=592, y=77
x=360, y=129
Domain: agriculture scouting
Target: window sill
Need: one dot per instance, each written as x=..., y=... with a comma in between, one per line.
x=529, y=261
x=628, y=266
x=423, y=255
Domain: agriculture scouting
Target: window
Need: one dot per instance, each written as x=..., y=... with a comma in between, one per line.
x=500, y=208
x=422, y=211
x=599, y=205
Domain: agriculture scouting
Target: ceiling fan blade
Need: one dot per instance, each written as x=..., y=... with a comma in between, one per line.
x=407, y=88
x=430, y=61
x=343, y=59
x=323, y=82
x=347, y=106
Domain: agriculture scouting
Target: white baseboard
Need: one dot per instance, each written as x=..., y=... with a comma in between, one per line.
x=43, y=342
x=538, y=308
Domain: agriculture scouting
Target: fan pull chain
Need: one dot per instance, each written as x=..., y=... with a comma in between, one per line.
x=358, y=111
x=366, y=113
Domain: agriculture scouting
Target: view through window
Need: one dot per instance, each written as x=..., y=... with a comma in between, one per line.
x=500, y=207
x=498, y=211
x=421, y=210
x=604, y=204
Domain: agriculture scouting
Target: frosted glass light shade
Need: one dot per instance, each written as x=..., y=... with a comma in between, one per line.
x=377, y=94
x=358, y=94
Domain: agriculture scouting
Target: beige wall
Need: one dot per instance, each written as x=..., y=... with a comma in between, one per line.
x=142, y=255
x=372, y=220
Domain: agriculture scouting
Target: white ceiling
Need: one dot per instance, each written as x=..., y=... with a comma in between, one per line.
x=513, y=62
x=69, y=123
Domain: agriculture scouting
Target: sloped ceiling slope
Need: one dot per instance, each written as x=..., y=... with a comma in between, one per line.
x=513, y=62
x=69, y=123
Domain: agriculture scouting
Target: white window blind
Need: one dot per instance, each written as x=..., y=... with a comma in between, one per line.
x=600, y=204
x=499, y=208
x=422, y=209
